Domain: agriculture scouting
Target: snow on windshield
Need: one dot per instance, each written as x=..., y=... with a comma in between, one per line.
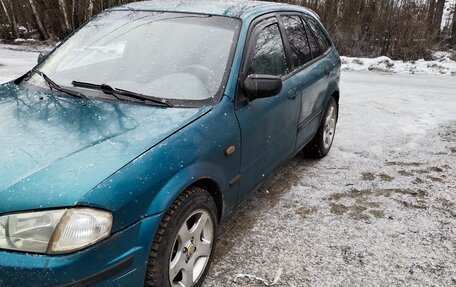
x=148, y=53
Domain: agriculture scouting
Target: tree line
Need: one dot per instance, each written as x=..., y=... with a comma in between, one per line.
x=48, y=19
x=403, y=29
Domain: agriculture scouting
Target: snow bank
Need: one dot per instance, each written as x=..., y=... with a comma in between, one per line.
x=441, y=65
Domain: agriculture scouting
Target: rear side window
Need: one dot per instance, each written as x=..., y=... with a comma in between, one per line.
x=269, y=57
x=296, y=34
x=322, y=40
x=314, y=47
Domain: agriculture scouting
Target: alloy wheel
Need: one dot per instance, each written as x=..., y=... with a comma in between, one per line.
x=192, y=249
x=330, y=127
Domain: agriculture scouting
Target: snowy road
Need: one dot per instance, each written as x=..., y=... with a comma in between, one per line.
x=379, y=210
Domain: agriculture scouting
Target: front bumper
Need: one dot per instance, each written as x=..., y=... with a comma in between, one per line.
x=120, y=260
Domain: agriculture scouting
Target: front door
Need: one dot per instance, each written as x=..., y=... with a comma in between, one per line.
x=268, y=126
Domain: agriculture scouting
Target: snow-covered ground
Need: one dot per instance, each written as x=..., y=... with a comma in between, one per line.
x=15, y=61
x=441, y=65
x=380, y=210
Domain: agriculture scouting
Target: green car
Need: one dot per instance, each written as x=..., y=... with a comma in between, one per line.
x=126, y=146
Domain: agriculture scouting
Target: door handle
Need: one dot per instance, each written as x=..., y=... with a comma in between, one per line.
x=292, y=94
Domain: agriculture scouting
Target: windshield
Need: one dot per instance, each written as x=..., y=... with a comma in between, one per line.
x=162, y=55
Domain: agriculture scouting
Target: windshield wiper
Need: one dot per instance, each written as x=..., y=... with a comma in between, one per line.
x=54, y=86
x=124, y=93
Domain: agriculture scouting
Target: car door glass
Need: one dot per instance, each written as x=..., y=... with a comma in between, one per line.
x=323, y=42
x=314, y=47
x=269, y=56
x=296, y=34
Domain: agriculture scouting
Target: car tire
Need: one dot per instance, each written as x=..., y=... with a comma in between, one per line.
x=321, y=144
x=183, y=246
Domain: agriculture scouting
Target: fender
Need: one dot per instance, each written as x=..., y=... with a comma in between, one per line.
x=148, y=185
x=189, y=176
x=333, y=86
x=332, y=89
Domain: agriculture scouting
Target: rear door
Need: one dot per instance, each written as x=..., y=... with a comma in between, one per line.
x=321, y=48
x=268, y=126
x=310, y=74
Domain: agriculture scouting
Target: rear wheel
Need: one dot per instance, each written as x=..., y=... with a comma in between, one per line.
x=321, y=144
x=182, y=248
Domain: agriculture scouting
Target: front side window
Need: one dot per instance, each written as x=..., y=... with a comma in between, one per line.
x=165, y=55
x=296, y=34
x=269, y=56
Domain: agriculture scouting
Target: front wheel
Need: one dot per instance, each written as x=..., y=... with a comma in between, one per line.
x=321, y=144
x=182, y=248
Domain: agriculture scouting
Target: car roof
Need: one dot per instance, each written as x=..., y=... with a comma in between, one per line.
x=229, y=8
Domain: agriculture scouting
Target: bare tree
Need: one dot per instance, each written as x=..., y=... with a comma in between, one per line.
x=89, y=11
x=38, y=21
x=66, y=18
x=73, y=9
x=439, y=14
x=453, y=30
x=435, y=15
x=431, y=15
x=406, y=29
x=14, y=29
x=8, y=17
x=11, y=18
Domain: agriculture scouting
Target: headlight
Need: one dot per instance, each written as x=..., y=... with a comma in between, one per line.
x=54, y=231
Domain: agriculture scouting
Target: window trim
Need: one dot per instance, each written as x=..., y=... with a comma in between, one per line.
x=288, y=44
x=240, y=99
x=312, y=34
x=314, y=60
x=255, y=27
x=305, y=18
x=253, y=45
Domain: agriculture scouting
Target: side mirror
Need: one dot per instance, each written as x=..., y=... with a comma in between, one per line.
x=41, y=56
x=262, y=86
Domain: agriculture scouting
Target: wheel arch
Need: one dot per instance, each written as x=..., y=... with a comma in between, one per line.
x=336, y=96
x=212, y=187
x=203, y=175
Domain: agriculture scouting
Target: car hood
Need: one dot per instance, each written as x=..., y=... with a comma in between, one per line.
x=55, y=149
